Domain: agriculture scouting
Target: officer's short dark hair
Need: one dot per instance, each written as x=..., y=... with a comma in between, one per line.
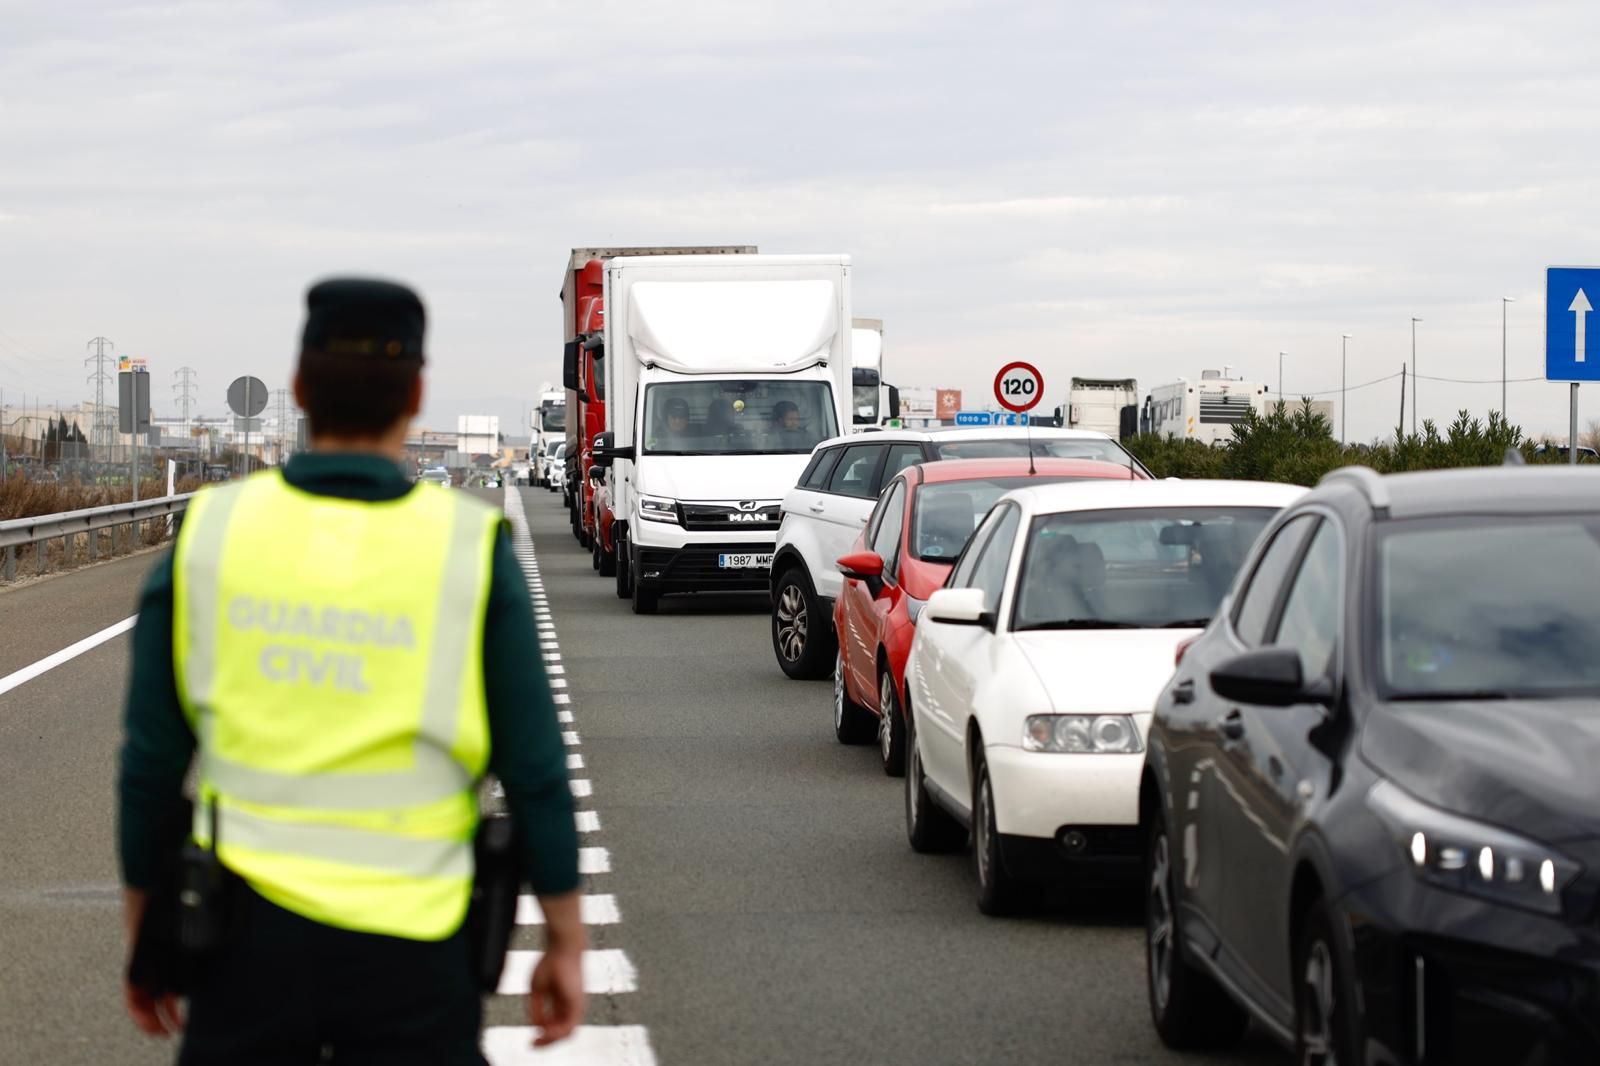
x=345, y=397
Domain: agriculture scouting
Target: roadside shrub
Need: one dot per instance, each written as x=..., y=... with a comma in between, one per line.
x=1296, y=445
x=21, y=497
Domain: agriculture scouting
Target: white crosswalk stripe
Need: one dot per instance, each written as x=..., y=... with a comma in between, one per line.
x=607, y=970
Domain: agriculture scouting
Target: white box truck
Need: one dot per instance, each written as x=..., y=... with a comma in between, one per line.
x=1097, y=404
x=725, y=371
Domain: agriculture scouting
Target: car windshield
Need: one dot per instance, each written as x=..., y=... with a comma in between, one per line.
x=944, y=514
x=1471, y=607
x=1043, y=447
x=1150, y=568
x=737, y=417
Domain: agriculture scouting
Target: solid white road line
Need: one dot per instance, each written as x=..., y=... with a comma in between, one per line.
x=591, y=1045
x=67, y=654
x=606, y=972
x=594, y=861
x=595, y=910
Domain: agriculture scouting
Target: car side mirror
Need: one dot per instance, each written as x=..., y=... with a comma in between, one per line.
x=1267, y=677
x=959, y=607
x=864, y=566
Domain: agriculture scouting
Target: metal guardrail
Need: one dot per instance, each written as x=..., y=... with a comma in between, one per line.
x=68, y=526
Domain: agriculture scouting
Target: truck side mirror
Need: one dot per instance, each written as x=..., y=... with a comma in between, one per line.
x=894, y=401
x=605, y=450
x=569, y=365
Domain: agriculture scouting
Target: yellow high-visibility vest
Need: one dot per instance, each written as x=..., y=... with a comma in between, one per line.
x=329, y=658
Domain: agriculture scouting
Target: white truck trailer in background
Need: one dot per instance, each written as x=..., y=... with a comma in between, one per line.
x=725, y=371
x=873, y=401
x=1097, y=404
x=1204, y=410
x=549, y=426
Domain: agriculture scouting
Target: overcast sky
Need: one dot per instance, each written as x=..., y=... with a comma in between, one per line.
x=1125, y=189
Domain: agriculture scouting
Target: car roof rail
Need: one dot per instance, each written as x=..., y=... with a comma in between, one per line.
x=1368, y=480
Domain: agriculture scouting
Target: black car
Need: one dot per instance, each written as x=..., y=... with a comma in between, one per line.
x=1372, y=793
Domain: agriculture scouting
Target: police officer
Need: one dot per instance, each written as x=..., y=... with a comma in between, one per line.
x=343, y=655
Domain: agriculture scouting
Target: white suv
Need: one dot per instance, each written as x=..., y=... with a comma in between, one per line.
x=826, y=510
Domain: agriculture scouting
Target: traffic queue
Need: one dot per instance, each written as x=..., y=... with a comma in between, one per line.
x=1340, y=742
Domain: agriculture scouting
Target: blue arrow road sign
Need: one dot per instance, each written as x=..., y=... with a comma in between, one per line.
x=974, y=418
x=1010, y=418
x=1569, y=296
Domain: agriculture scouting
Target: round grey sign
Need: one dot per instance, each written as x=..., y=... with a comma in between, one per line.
x=247, y=396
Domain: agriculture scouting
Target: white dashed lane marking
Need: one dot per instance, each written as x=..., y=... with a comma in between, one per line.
x=606, y=971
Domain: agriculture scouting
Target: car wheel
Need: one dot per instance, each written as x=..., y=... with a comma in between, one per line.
x=798, y=625
x=645, y=596
x=998, y=892
x=929, y=827
x=852, y=723
x=624, y=568
x=1190, y=1010
x=1324, y=1023
x=891, y=726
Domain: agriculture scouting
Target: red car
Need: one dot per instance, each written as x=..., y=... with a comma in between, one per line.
x=909, y=545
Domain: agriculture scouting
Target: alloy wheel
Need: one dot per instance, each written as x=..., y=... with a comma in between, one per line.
x=838, y=692
x=1317, y=1013
x=793, y=622
x=1159, y=925
x=980, y=828
x=885, y=716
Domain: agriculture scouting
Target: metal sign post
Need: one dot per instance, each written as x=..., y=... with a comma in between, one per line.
x=133, y=413
x=247, y=396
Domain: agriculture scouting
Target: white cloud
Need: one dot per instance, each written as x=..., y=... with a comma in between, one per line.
x=1138, y=188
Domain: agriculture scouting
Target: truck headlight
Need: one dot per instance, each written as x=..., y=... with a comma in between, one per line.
x=1463, y=855
x=656, y=509
x=1082, y=734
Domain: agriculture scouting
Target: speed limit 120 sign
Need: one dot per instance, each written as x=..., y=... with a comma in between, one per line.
x=1019, y=386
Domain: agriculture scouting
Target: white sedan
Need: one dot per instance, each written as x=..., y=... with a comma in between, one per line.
x=1035, y=669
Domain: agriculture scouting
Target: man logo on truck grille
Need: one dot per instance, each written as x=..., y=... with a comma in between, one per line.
x=749, y=505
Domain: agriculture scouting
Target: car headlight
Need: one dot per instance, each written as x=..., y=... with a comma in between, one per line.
x=656, y=509
x=1463, y=855
x=1082, y=734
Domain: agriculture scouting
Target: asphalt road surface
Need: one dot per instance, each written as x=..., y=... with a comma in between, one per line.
x=767, y=906
x=769, y=900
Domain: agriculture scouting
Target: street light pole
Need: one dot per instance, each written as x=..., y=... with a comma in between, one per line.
x=1280, y=376
x=1414, y=322
x=1503, y=301
x=1344, y=407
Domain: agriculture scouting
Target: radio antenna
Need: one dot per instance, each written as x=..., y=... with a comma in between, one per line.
x=1028, y=429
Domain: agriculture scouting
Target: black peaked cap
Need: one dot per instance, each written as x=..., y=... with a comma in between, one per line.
x=364, y=317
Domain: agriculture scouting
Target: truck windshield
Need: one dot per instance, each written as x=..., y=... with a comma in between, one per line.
x=553, y=415
x=737, y=417
x=864, y=405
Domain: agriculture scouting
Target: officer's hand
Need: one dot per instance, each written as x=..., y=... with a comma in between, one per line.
x=155, y=1015
x=556, y=997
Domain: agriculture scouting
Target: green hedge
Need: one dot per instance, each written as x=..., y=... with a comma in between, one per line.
x=1296, y=445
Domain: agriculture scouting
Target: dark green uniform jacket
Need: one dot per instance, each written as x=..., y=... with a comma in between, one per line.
x=526, y=750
